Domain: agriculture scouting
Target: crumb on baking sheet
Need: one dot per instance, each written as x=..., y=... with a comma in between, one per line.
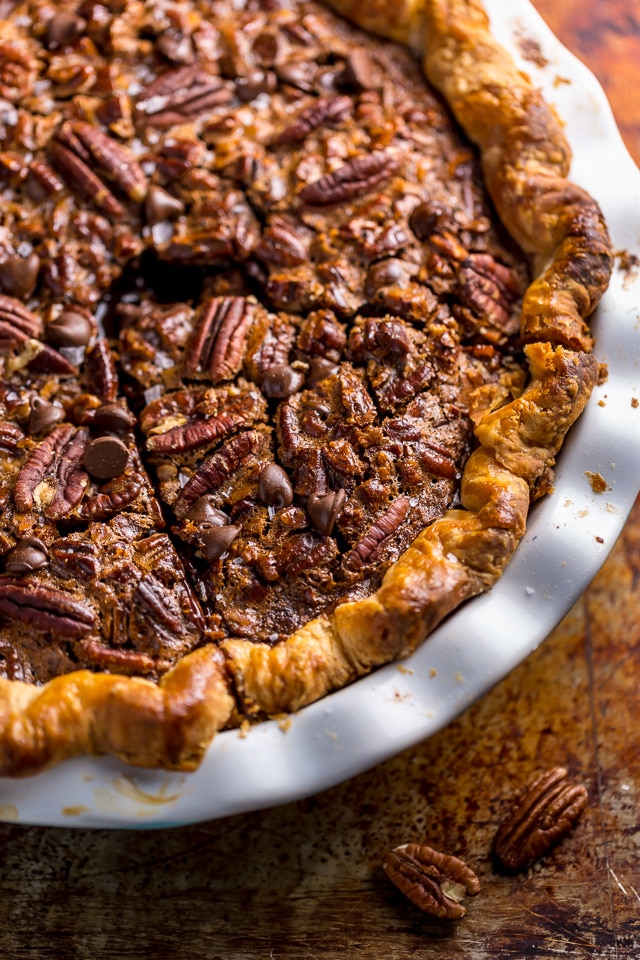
x=635, y=403
x=603, y=373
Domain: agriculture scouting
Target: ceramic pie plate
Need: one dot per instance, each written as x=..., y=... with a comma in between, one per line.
x=569, y=535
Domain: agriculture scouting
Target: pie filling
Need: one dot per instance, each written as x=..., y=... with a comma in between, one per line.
x=253, y=299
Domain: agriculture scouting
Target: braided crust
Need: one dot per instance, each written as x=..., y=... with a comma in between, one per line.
x=525, y=158
x=168, y=725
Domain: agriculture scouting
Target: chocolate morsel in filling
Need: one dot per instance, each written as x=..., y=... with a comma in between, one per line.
x=324, y=509
x=216, y=540
x=19, y=275
x=27, y=556
x=319, y=369
x=70, y=329
x=63, y=28
x=282, y=381
x=204, y=511
x=160, y=206
x=274, y=486
x=105, y=458
x=44, y=414
x=112, y=418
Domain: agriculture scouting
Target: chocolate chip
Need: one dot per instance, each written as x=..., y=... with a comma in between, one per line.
x=265, y=49
x=160, y=206
x=112, y=418
x=105, y=458
x=324, y=509
x=216, y=540
x=204, y=511
x=63, y=28
x=70, y=329
x=44, y=414
x=359, y=71
x=300, y=74
x=427, y=217
x=274, y=486
x=282, y=381
x=385, y=272
x=19, y=275
x=27, y=556
x=249, y=87
x=176, y=47
x=319, y=369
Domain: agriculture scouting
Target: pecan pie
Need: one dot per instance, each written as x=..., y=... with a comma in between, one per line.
x=277, y=385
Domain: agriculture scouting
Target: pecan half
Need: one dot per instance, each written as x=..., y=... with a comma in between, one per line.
x=190, y=419
x=17, y=324
x=269, y=343
x=45, y=177
x=433, y=881
x=113, y=497
x=128, y=662
x=47, y=360
x=544, y=814
x=219, y=338
x=488, y=290
x=217, y=468
x=182, y=94
x=75, y=558
x=324, y=111
x=353, y=179
x=10, y=436
x=102, y=372
x=44, y=608
x=117, y=161
x=322, y=335
x=377, y=537
x=284, y=243
x=80, y=176
x=53, y=477
x=18, y=71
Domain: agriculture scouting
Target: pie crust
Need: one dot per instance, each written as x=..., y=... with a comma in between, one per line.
x=525, y=161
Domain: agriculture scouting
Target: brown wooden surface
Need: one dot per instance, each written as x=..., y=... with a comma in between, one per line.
x=303, y=881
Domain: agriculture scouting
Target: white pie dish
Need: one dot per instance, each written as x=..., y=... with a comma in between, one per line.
x=569, y=535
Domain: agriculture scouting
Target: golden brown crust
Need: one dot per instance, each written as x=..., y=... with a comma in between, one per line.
x=169, y=724
x=525, y=158
x=403, y=22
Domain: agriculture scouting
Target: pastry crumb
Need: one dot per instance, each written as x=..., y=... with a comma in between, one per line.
x=531, y=51
x=597, y=481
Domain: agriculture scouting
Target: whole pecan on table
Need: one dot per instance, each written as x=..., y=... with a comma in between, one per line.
x=545, y=813
x=435, y=882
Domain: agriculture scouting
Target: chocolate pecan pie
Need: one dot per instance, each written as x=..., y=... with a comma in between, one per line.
x=277, y=385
